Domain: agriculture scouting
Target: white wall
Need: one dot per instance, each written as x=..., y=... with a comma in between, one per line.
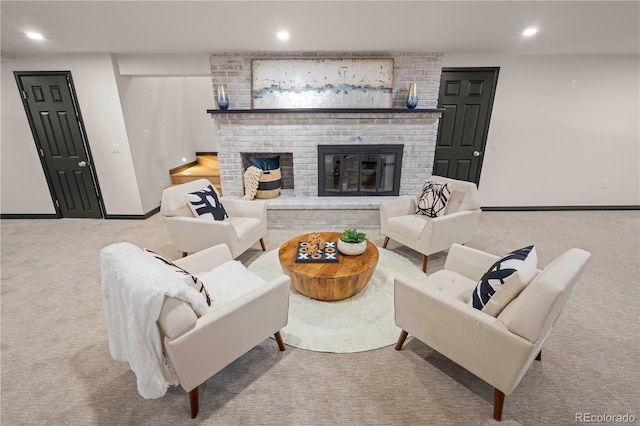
x=167, y=124
x=550, y=145
x=152, y=106
x=199, y=126
x=23, y=186
x=20, y=168
x=196, y=92
x=167, y=65
x=553, y=145
x=164, y=101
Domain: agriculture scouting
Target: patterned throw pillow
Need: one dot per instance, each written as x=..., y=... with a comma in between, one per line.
x=504, y=281
x=191, y=280
x=206, y=204
x=266, y=163
x=433, y=199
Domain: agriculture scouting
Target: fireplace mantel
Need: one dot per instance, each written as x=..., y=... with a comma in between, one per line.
x=324, y=111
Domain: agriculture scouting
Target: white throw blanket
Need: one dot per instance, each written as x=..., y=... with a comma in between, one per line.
x=134, y=285
x=251, y=182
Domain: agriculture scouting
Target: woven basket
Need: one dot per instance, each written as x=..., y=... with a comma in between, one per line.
x=269, y=184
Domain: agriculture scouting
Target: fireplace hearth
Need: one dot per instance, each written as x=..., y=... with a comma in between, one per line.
x=359, y=170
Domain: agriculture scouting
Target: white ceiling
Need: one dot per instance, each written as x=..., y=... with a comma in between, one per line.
x=565, y=27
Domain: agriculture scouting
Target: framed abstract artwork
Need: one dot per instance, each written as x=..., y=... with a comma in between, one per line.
x=321, y=83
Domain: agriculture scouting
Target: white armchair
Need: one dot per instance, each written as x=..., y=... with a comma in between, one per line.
x=147, y=314
x=246, y=225
x=498, y=350
x=428, y=235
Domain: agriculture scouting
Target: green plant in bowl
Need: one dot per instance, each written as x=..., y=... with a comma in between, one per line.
x=353, y=236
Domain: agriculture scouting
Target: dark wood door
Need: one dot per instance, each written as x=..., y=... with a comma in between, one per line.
x=466, y=95
x=54, y=116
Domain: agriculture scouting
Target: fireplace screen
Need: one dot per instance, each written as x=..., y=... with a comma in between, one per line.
x=352, y=170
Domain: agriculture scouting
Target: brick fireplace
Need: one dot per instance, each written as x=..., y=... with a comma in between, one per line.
x=299, y=133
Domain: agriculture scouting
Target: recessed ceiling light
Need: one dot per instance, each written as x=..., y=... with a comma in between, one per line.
x=283, y=35
x=35, y=36
x=529, y=32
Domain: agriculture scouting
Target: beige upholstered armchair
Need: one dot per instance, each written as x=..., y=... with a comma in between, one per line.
x=428, y=235
x=500, y=349
x=245, y=226
x=153, y=315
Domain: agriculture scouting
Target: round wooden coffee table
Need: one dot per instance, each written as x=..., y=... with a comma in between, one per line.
x=328, y=281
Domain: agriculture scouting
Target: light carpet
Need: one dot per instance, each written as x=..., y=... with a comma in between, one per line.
x=56, y=368
x=360, y=323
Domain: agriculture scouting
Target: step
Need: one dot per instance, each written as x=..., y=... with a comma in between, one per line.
x=207, y=167
x=210, y=161
x=197, y=172
x=215, y=180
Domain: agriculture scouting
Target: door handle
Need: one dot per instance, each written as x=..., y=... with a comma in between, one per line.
x=476, y=153
x=82, y=164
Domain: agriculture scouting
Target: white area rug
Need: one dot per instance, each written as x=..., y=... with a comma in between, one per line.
x=360, y=323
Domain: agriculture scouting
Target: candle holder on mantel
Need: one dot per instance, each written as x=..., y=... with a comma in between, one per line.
x=412, y=97
x=222, y=99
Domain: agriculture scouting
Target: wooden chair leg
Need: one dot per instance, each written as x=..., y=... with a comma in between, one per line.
x=401, y=339
x=539, y=356
x=424, y=263
x=386, y=241
x=193, y=401
x=262, y=244
x=498, y=403
x=278, y=337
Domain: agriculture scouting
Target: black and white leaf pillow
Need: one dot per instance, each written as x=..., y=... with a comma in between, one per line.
x=189, y=279
x=433, y=199
x=206, y=204
x=504, y=281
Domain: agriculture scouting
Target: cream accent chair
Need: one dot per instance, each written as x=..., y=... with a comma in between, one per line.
x=198, y=347
x=427, y=235
x=246, y=225
x=498, y=350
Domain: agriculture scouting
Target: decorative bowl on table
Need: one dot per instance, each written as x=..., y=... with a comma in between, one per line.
x=352, y=242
